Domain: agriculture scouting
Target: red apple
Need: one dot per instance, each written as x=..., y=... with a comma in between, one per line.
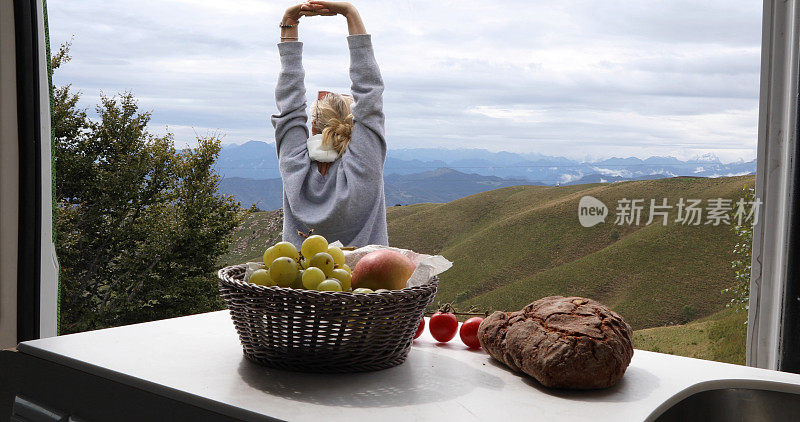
x=382, y=269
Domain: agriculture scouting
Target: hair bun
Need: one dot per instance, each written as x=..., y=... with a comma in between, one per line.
x=335, y=120
x=344, y=129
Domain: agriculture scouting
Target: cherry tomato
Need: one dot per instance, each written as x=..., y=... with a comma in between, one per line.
x=443, y=326
x=469, y=332
x=420, y=328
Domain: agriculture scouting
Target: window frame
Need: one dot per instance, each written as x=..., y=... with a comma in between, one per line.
x=37, y=266
x=774, y=314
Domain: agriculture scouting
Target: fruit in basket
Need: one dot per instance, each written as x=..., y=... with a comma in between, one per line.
x=343, y=277
x=443, y=326
x=323, y=261
x=283, y=271
x=286, y=249
x=469, y=332
x=330, y=285
x=298, y=281
x=337, y=255
x=261, y=277
x=270, y=255
x=313, y=245
x=420, y=328
x=316, y=262
x=280, y=249
x=383, y=269
x=312, y=277
x=363, y=290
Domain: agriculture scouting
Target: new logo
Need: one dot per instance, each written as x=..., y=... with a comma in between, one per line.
x=591, y=211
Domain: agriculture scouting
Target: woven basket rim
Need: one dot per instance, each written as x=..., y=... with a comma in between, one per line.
x=286, y=328
x=226, y=278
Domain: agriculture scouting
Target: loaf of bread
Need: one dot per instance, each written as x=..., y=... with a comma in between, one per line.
x=563, y=342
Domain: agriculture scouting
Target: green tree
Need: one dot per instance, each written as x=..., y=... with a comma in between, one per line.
x=140, y=225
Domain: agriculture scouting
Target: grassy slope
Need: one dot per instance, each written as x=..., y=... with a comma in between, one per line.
x=251, y=237
x=514, y=245
x=719, y=337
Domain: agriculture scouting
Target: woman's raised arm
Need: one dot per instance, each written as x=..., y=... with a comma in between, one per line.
x=291, y=131
x=290, y=92
x=368, y=145
x=330, y=8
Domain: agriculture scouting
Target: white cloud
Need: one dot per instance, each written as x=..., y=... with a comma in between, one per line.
x=572, y=78
x=517, y=115
x=663, y=172
x=569, y=177
x=741, y=173
x=612, y=172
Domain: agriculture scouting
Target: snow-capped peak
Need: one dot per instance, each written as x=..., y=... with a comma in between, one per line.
x=707, y=157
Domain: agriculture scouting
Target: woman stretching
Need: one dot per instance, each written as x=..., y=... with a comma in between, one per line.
x=333, y=181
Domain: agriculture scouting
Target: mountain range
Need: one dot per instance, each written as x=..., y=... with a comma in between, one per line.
x=250, y=172
x=440, y=185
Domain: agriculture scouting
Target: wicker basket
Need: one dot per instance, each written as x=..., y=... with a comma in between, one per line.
x=312, y=331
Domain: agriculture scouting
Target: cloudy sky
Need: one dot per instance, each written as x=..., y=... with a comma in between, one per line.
x=582, y=79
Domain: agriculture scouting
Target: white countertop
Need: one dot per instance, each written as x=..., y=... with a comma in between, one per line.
x=198, y=359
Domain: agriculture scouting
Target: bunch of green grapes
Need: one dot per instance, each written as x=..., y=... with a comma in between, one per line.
x=317, y=266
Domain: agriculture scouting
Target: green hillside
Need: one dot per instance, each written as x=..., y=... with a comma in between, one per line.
x=719, y=337
x=252, y=237
x=514, y=245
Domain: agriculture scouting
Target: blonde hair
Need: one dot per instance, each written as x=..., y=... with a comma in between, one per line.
x=331, y=115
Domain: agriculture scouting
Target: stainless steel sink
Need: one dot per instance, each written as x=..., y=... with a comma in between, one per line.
x=735, y=404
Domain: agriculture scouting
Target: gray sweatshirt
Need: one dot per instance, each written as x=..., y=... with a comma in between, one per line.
x=348, y=203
